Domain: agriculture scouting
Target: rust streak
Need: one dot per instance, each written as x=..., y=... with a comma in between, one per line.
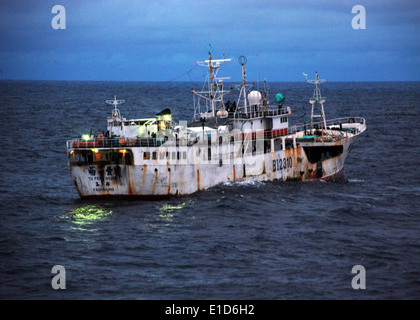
x=77, y=186
x=169, y=183
x=198, y=179
x=130, y=186
x=169, y=178
x=293, y=172
x=234, y=173
x=154, y=182
x=144, y=174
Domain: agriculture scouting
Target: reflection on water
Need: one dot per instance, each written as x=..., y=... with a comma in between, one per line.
x=87, y=215
x=166, y=211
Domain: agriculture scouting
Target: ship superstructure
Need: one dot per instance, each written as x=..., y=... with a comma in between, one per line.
x=243, y=139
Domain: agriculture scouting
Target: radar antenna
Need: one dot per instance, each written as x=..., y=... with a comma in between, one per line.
x=316, y=82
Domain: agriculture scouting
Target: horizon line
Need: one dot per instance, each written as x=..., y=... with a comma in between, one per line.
x=189, y=81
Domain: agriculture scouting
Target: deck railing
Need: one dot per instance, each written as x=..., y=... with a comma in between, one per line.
x=330, y=123
x=258, y=113
x=127, y=142
x=190, y=140
x=114, y=143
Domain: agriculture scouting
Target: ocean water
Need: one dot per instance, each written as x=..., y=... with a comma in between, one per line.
x=271, y=240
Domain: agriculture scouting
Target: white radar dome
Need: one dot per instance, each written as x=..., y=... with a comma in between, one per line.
x=254, y=98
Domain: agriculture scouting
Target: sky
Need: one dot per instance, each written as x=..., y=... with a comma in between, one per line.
x=157, y=40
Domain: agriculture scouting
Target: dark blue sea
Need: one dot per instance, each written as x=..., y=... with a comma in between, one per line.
x=271, y=240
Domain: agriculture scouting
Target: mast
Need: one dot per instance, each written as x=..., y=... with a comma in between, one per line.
x=242, y=60
x=211, y=76
x=116, y=118
x=242, y=93
x=317, y=98
x=214, y=95
x=115, y=112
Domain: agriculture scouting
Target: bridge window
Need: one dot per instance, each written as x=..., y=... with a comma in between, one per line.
x=97, y=156
x=289, y=143
x=278, y=144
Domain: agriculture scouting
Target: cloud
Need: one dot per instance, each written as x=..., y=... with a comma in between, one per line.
x=158, y=40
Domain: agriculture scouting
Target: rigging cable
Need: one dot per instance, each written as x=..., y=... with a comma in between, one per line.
x=185, y=73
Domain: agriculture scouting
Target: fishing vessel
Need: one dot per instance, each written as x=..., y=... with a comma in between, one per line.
x=244, y=139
